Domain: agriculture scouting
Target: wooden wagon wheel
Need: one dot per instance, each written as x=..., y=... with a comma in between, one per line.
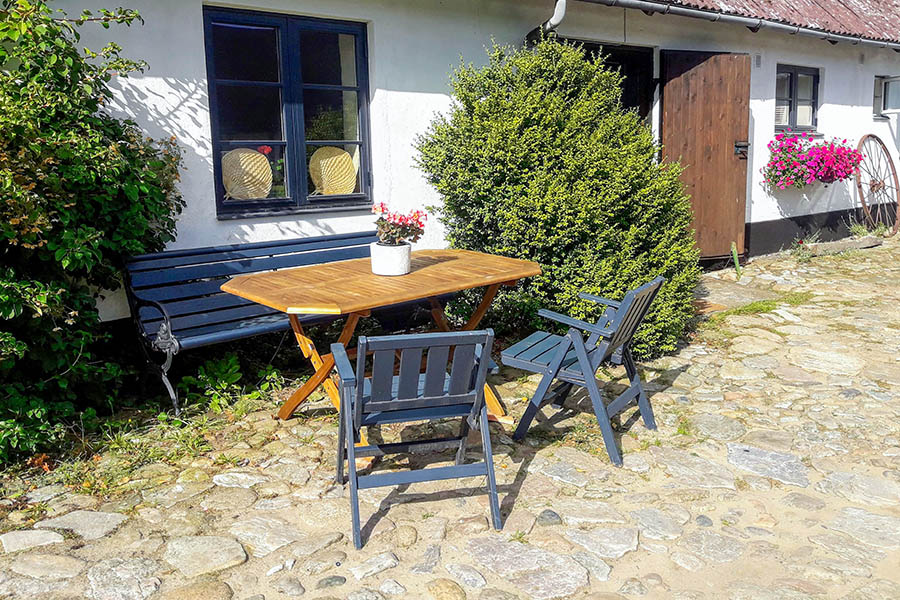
x=878, y=186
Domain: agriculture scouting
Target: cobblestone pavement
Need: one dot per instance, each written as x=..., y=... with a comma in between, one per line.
x=774, y=474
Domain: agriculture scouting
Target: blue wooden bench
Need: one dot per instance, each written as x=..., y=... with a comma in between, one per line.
x=177, y=305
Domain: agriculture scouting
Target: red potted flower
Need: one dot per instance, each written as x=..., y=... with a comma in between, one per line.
x=391, y=253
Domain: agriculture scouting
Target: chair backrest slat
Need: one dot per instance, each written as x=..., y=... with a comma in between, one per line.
x=630, y=314
x=361, y=353
x=436, y=370
x=462, y=371
x=382, y=375
x=454, y=371
x=410, y=364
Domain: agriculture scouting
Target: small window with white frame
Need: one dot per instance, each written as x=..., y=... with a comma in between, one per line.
x=887, y=95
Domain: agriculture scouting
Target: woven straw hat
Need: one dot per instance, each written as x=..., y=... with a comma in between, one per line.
x=246, y=174
x=333, y=171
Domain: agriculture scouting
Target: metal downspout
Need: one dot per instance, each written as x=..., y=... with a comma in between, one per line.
x=550, y=25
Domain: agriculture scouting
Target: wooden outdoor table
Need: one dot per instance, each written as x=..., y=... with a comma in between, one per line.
x=349, y=288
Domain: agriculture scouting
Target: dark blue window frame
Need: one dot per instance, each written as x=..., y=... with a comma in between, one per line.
x=297, y=199
x=792, y=99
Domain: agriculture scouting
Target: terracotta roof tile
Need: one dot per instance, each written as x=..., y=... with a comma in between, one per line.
x=872, y=19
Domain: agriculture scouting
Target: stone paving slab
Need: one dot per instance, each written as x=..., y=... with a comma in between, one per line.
x=774, y=474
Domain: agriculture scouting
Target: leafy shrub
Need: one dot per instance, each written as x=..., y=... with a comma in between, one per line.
x=216, y=383
x=538, y=159
x=217, y=387
x=80, y=191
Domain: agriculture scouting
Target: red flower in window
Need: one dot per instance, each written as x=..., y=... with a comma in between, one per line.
x=264, y=149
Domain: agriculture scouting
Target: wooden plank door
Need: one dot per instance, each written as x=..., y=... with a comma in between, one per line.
x=705, y=125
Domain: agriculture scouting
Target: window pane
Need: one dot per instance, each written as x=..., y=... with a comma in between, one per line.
x=804, y=87
x=892, y=95
x=328, y=58
x=331, y=115
x=782, y=112
x=253, y=173
x=249, y=112
x=332, y=170
x=783, y=85
x=804, y=114
x=245, y=52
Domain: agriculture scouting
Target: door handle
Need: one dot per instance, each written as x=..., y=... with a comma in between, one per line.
x=741, y=149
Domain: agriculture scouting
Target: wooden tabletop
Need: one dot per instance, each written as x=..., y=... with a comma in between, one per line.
x=348, y=286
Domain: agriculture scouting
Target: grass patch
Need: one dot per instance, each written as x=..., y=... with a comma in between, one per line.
x=713, y=331
x=758, y=307
x=519, y=536
x=753, y=308
x=120, y=453
x=795, y=298
x=586, y=436
x=839, y=325
x=684, y=426
x=851, y=254
x=859, y=230
x=106, y=454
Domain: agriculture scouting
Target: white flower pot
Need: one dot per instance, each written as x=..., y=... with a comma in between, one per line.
x=390, y=260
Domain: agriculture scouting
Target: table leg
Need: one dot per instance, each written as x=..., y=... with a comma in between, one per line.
x=489, y=294
x=495, y=409
x=322, y=364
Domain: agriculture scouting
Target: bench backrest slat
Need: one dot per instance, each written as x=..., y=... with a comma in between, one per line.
x=212, y=317
x=139, y=264
x=185, y=291
x=187, y=282
x=349, y=238
x=231, y=268
x=181, y=308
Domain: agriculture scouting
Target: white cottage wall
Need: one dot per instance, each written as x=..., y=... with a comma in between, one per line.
x=412, y=48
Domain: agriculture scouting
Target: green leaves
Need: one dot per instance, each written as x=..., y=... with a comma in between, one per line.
x=216, y=383
x=79, y=191
x=538, y=159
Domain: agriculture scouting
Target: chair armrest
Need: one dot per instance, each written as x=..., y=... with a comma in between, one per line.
x=343, y=365
x=576, y=323
x=599, y=300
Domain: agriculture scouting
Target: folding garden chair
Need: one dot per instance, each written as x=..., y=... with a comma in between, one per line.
x=573, y=359
x=452, y=386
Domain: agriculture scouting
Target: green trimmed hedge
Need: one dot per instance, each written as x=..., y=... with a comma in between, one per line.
x=538, y=159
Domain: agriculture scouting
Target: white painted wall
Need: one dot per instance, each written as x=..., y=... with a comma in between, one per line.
x=412, y=48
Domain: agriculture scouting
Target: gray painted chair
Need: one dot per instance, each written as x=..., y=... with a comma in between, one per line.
x=452, y=386
x=573, y=359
